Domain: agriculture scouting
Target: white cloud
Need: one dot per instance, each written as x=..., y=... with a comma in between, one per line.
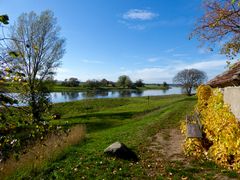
x=135, y=26
x=150, y=75
x=208, y=65
x=178, y=21
x=157, y=74
x=64, y=73
x=179, y=55
x=170, y=50
x=91, y=61
x=166, y=73
x=204, y=50
x=139, y=14
x=62, y=70
x=153, y=59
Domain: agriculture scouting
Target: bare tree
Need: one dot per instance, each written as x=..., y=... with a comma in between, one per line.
x=36, y=52
x=220, y=24
x=190, y=79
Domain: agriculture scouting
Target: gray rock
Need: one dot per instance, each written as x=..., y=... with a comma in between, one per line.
x=121, y=151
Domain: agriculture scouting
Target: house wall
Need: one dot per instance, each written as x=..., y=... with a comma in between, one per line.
x=231, y=96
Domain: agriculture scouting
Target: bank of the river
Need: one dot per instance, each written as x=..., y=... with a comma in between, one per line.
x=60, y=88
x=129, y=120
x=9, y=87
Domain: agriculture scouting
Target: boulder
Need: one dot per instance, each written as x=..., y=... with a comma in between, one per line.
x=56, y=116
x=121, y=151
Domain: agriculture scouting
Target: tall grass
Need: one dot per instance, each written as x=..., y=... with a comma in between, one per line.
x=43, y=151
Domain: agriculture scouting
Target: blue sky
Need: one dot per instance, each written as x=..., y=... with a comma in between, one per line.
x=144, y=39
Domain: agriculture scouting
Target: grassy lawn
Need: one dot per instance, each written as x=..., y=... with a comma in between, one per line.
x=128, y=120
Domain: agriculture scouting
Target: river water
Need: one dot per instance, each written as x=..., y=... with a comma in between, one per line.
x=57, y=97
x=73, y=96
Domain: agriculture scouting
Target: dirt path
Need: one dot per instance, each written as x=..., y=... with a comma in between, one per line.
x=164, y=147
x=168, y=144
x=165, y=150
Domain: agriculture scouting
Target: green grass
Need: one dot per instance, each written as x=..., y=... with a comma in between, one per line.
x=198, y=169
x=128, y=120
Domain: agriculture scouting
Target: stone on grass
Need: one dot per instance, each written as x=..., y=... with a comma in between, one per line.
x=56, y=116
x=121, y=151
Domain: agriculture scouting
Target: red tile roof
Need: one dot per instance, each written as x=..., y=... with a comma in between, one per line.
x=230, y=77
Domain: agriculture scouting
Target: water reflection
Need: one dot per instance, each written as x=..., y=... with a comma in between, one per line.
x=165, y=91
x=124, y=93
x=73, y=96
x=138, y=93
x=70, y=95
x=95, y=94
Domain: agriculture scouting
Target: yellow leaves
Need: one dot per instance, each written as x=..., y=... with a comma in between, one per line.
x=4, y=19
x=7, y=69
x=183, y=127
x=36, y=49
x=220, y=126
x=193, y=147
x=203, y=93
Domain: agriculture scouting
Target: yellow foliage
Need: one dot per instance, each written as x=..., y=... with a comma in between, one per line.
x=183, y=127
x=203, y=94
x=220, y=127
x=193, y=147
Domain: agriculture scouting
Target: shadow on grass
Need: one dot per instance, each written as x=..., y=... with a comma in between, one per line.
x=102, y=121
x=97, y=121
x=117, y=115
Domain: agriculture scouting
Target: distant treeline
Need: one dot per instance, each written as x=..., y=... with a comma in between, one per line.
x=122, y=82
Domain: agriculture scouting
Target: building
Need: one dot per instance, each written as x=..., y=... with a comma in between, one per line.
x=229, y=82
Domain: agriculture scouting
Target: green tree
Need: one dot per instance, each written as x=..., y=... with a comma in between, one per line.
x=92, y=84
x=124, y=81
x=37, y=50
x=104, y=82
x=190, y=79
x=139, y=83
x=71, y=82
x=165, y=85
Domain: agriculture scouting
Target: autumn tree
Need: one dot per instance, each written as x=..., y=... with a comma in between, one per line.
x=6, y=74
x=190, y=79
x=36, y=52
x=220, y=25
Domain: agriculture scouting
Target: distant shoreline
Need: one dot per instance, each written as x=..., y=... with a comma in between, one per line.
x=60, y=88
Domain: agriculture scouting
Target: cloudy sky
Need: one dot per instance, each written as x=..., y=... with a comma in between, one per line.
x=145, y=39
